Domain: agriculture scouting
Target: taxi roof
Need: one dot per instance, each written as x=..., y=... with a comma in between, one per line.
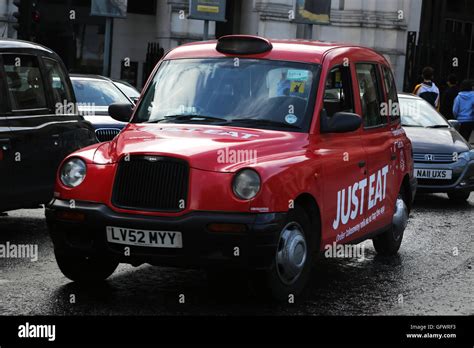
x=291, y=49
x=9, y=44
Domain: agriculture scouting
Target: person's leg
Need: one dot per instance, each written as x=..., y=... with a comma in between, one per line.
x=466, y=129
x=463, y=129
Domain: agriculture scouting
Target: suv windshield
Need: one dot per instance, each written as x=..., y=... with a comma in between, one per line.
x=241, y=92
x=419, y=113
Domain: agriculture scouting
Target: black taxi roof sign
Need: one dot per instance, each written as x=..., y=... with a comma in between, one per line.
x=243, y=44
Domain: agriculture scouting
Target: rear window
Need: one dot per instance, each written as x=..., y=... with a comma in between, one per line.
x=25, y=86
x=58, y=81
x=392, y=96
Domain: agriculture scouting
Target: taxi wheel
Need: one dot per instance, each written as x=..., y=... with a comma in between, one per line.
x=459, y=196
x=84, y=269
x=388, y=243
x=293, y=260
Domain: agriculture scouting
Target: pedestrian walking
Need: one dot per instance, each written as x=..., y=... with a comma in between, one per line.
x=448, y=96
x=427, y=89
x=463, y=109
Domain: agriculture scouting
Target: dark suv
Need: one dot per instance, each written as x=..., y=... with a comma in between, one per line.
x=39, y=123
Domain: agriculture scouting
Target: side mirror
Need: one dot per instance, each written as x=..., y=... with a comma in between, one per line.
x=340, y=122
x=455, y=124
x=121, y=112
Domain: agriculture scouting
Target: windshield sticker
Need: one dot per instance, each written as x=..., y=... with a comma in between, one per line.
x=298, y=75
x=297, y=87
x=291, y=119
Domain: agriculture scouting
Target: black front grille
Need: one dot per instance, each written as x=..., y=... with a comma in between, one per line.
x=434, y=158
x=106, y=134
x=151, y=183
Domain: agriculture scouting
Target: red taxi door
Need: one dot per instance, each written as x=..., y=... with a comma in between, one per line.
x=377, y=140
x=344, y=171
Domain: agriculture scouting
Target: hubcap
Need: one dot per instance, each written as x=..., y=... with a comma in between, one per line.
x=400, y=218
x=291, y=253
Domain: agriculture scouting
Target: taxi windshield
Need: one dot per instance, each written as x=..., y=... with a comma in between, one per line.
x=242, y=92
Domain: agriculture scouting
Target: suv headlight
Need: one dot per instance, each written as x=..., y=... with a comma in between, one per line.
x=246, y=184
x=73, y=172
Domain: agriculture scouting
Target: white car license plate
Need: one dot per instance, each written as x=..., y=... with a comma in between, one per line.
x=145, y=238
x=439, y=174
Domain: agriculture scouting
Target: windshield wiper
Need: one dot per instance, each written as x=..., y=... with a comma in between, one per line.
x=190, y=118
x=438, y=126
x=410, y=125
x=263, y=122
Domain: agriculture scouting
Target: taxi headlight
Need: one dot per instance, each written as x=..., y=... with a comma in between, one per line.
x=246, y=184
x=73, y=172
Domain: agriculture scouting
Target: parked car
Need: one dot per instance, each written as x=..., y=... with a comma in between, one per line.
x=234, y=159
x=94, y=94
x=38, y=123
x=444, y=161
x=131, y=92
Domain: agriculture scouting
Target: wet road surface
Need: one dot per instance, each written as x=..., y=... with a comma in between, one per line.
x=432, y=275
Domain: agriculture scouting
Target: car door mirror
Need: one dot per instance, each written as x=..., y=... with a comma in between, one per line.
x=340, y=122
x=121, y=112
x=455, y=124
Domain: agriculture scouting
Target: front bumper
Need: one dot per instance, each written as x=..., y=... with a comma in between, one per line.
x=462, y=177
x=201, y=247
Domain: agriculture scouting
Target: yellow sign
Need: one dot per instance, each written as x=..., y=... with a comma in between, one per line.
x=297, y=87
x=209, y=9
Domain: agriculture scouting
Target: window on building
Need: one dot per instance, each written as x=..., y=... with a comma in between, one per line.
x=24, y=82
x=370, y=95
x=146, y=7
x=338, y=94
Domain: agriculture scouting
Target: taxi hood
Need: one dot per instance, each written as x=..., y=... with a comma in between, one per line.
x=213, y=148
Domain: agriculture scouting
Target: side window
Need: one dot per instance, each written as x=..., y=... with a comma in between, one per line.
x=58, y=81
x=24, y=83
x=370, y=95
x=338, y=94
x=3, y=91
x=391, y=88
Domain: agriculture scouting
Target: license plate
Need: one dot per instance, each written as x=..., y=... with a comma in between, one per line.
x=440, y=174
x=145, y=238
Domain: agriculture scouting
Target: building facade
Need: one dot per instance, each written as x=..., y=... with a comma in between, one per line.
x=379, y=24
x=399, y=29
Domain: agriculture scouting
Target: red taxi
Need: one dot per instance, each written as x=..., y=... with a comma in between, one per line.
x=242, y=154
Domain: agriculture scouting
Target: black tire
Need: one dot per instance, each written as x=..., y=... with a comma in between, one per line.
x=269, y=283
x=388, y=243
x=84, y=269
x=459, y=196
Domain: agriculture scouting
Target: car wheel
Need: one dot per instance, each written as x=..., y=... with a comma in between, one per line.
x=388, y=243
x=81, y=268
x=459, y=196
x=291, y=266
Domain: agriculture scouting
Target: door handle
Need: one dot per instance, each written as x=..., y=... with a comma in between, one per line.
x=361, y=164
x=5, y=144
x=393, y=156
